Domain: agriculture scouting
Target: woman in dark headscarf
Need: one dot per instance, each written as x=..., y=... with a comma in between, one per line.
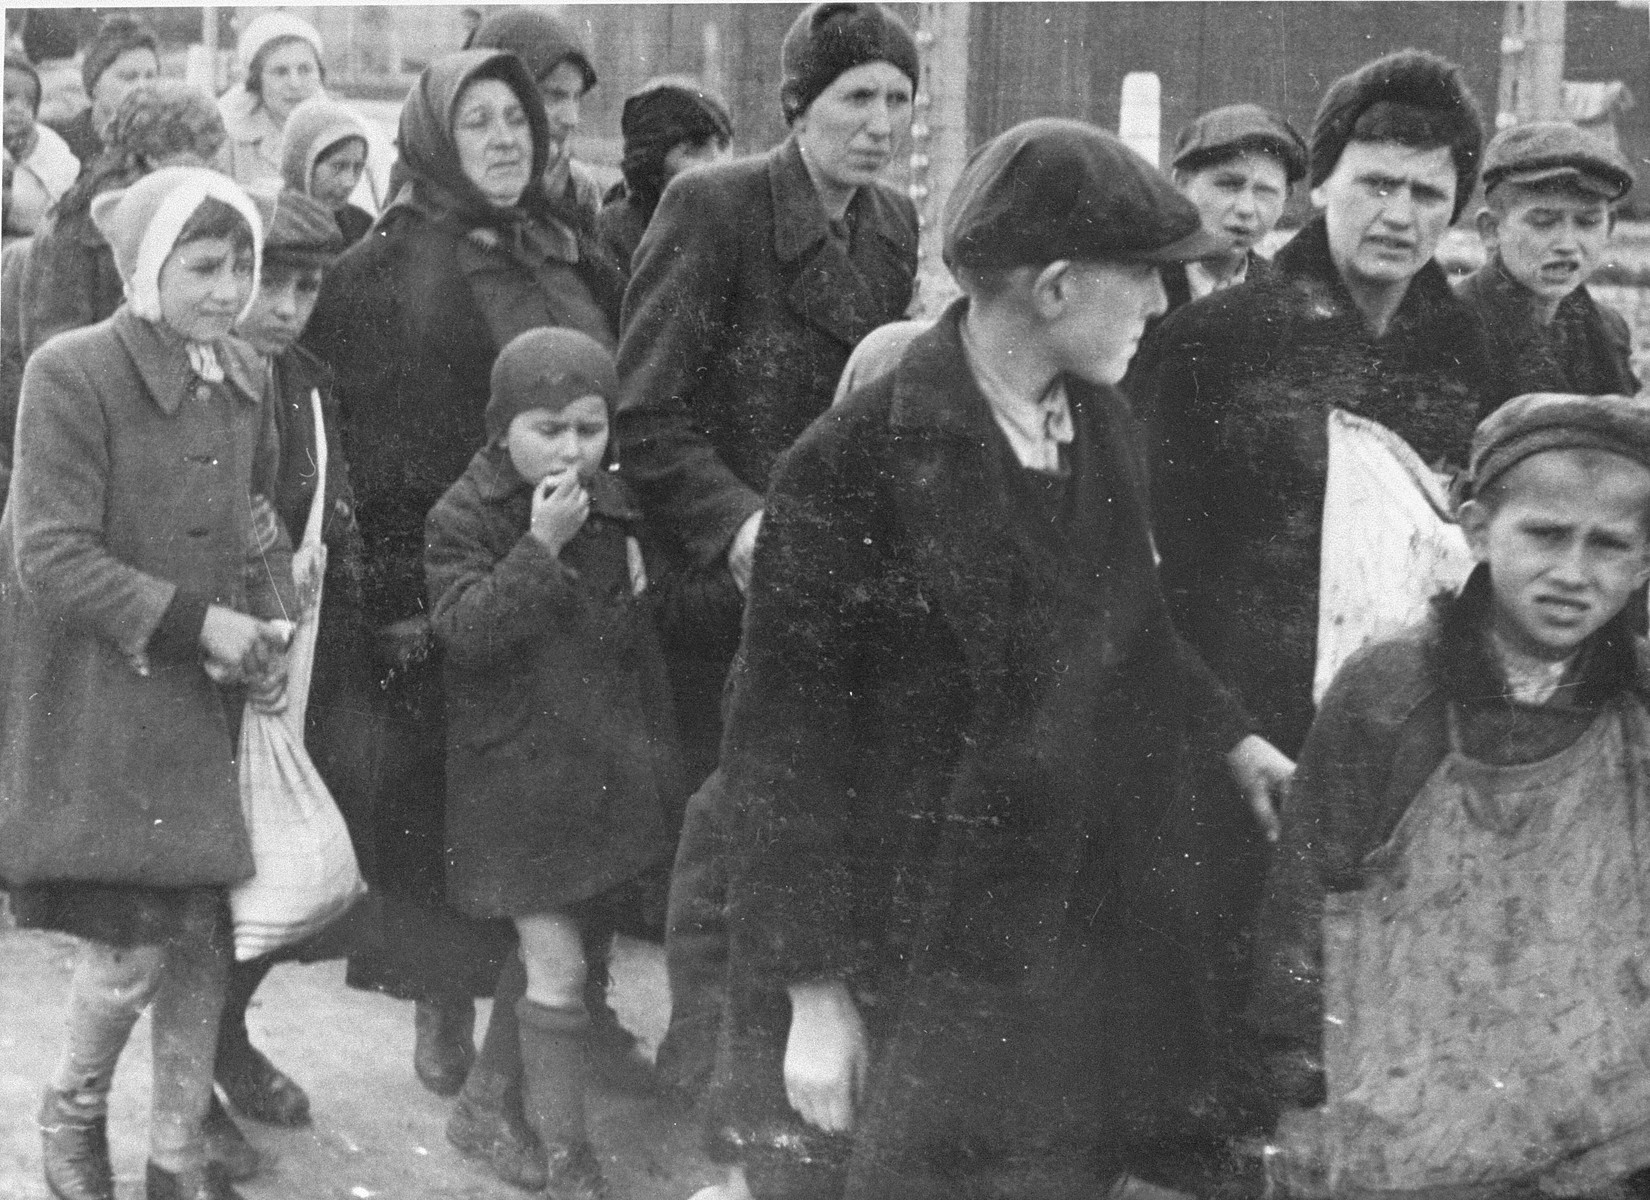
x=669, y=124
x=467, y=256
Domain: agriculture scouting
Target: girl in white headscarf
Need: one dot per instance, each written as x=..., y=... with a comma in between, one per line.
x=140, y=584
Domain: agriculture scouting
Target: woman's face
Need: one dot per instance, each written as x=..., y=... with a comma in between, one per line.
x=338, y=171
x=291, y=74
x=851, y=129
x=204, y=284
x=130, y=68
x=494, y=140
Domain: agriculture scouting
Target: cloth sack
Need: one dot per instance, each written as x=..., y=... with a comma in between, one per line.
x=1390, y=542
x=305, y=875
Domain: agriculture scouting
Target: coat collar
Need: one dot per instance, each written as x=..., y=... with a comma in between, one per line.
x=496, y=480
x=933, y=387
x=163, y=365
x=799, y=218
x=1493, y=284
x=1307, y=257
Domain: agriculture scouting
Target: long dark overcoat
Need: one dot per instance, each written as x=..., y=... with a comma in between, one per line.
x=740, y=314
x=952, y=742
x=561, y=748
x=131, y=489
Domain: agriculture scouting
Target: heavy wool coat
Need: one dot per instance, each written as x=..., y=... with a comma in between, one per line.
x=561, y=749
x=739, y=317
x=131, y=493
x=1236, y=389
x=952, y=741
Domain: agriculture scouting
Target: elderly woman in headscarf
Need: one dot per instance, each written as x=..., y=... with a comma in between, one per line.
x=467, y=256
x=324, y=153
x=138, y=600
x=669, y=124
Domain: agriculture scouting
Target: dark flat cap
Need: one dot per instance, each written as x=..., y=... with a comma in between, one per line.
x=1548, y=151
x=1225, y=132
x=299, y=230
x=1541, y=421
x=1054, y=189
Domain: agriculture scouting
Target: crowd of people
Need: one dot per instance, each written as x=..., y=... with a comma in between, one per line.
x=933, y=689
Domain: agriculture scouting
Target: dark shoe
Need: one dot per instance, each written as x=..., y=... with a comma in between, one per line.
x=503, y=1142
x=227, y=1146
x=444, y=1044
x=261, y=1091
x=75, y=1152
x=205, y=1183
x=575, y=1174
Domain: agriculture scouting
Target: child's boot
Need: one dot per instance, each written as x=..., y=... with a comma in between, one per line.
x=443, y=1049
x=555, y=1058
x=487, y=1123
x=74, y=1145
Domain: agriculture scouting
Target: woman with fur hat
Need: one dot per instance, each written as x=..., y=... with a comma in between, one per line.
x=144, y=573
x=469, y=255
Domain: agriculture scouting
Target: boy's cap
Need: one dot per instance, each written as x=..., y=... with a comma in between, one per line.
x=548, y=368
x=1055, y=189
x=299, y=231
x=1225, y=132
x=1542, y=421
x=1548, y=151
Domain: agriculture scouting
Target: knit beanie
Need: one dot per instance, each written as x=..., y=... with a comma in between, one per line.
x=313, y=128
x=540, y=40
x=828, y=39
x=1411, y=97
x=661, y=115
x=299, y=231
x=163, y=117
x=270, y=27
x=141, y=223
x=548, y=368
x=118, y=33
x=16, y=64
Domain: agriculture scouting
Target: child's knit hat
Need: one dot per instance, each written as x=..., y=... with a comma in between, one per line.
x=1543, y=421
x=141, y=223
x=548, y=368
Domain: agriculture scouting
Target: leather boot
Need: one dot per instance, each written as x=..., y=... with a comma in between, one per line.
x=75, y=1151
x=227, y=1146
x=203, y=1183
x=487, y=1122
x=555, y=1060
x=444, y=1045
x=259, y=1089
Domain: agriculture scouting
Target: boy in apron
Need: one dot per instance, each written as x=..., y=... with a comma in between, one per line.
x=1454, y=981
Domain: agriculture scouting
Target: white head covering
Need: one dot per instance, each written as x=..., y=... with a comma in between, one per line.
x=262, y=30
x=141, y=223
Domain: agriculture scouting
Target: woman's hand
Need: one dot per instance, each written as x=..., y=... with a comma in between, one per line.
x=309, y=567
x=241, y=648
x=560, y=507
x=826, y=1055
x=742, y=551
x=1262, y=772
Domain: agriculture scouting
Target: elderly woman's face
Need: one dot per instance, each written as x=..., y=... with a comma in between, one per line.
x=851, y=129
x=291, y=74
x=494, y=140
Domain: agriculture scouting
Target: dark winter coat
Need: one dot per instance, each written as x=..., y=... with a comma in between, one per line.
x=1236, y=389
x=70, y=281
x=739, y=316
x=620, y=225
x=1586, y=349
x=129, y=512
x=561, y=754
x=952, y=739
x=1381, y=733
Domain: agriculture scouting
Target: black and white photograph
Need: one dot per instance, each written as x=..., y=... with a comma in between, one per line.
x=955, y=600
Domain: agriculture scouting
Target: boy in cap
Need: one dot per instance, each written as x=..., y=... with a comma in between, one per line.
x=1454, y=932
x=1236, y=164
x=953, y=731
x=1548, y=191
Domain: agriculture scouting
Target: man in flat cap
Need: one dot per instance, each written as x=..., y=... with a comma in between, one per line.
x=1548, y=191
x=1236, y=163
x=957, y=722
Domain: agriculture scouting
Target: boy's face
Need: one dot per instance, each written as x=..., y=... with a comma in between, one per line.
x=286, y=298
x=543, y=442
x=1550, y=241
x=1566, y=547
x=1241, y=198
x=1103, y=315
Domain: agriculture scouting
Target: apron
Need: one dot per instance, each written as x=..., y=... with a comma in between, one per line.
x=1487, y=994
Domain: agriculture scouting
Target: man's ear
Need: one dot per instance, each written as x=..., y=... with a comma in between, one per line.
x=1048, y=288
x=1474, y=519
x=1489, y=228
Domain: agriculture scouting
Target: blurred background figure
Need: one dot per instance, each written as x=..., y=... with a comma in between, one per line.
x=43, y=166
x=123, y=53
x=669, y=124
x=324, y=152
x=279, y=56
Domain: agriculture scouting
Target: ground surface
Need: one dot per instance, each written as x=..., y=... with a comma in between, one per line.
x=376, y=1133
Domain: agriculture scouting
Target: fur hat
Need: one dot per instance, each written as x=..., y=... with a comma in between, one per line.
x=660, y=115
x=1542, y=421
x=828, y=39
x=1410, y=96
x=541, y=40
x=547, y=368
x=118, y=33
x=162, y=117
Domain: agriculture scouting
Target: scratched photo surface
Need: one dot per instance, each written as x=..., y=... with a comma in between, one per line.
x=745, y=601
